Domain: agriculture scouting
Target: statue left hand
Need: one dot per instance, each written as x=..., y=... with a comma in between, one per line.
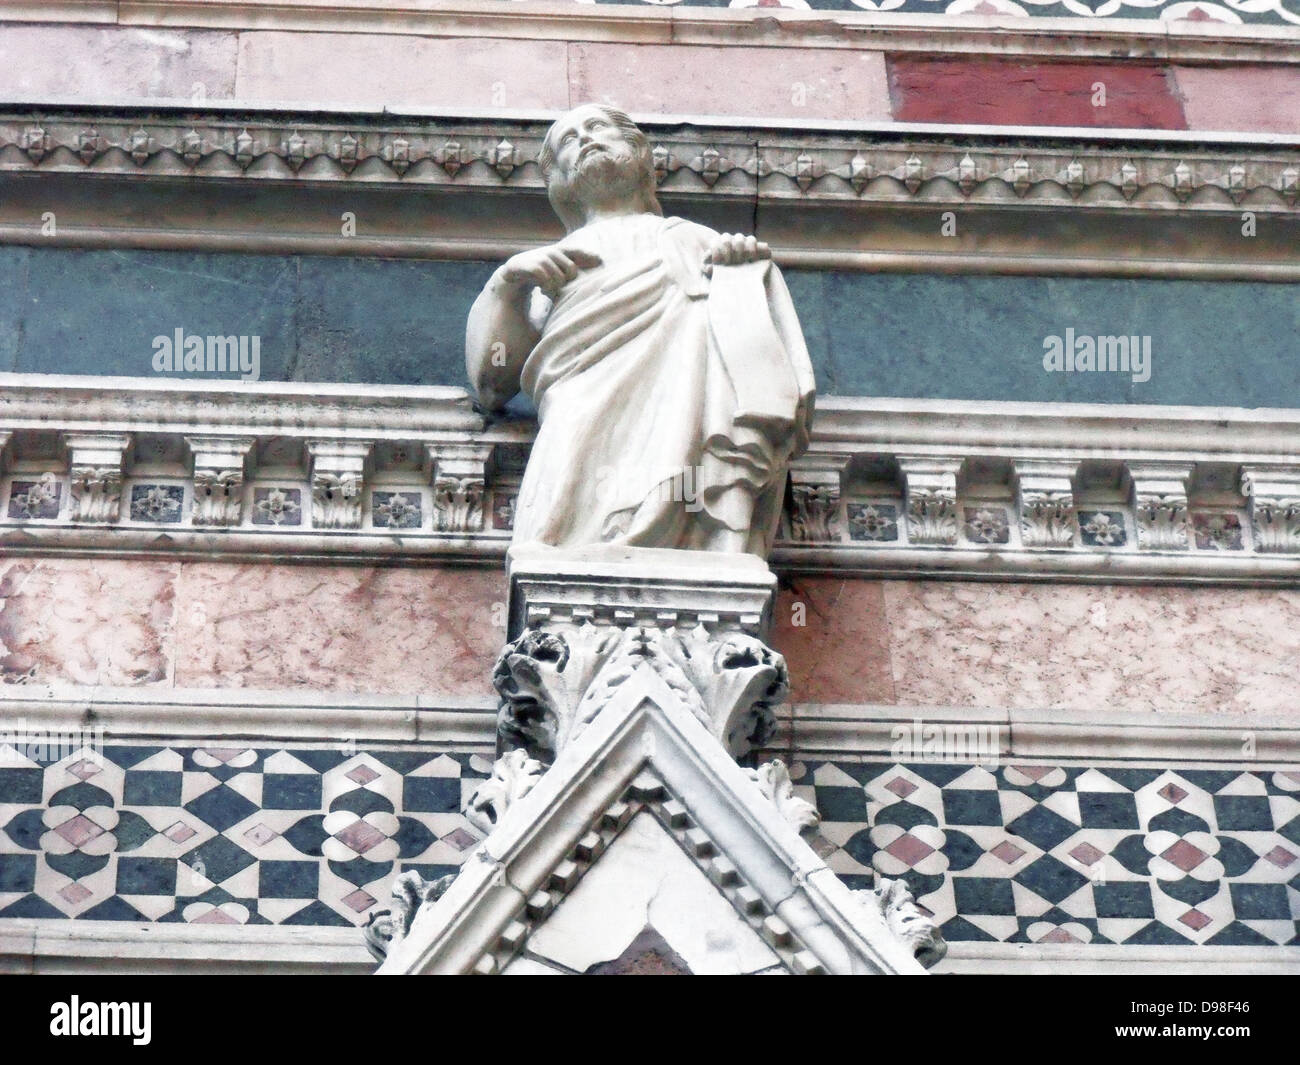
x=731, y=249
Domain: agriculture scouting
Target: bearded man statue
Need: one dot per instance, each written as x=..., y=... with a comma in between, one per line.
x=665, y=360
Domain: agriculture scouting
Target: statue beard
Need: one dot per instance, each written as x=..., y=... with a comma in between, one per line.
x=606, y=177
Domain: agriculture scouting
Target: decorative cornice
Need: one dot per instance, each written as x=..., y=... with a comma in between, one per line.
x=1043, y=201
x=721, y=160
x=905, y=487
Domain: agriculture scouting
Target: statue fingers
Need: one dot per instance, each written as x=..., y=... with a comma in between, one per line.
x=550, y=278
x=764, y=250
x=564, y=264
x=582, y=258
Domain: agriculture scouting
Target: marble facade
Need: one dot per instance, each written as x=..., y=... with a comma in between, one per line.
x=1037, y=628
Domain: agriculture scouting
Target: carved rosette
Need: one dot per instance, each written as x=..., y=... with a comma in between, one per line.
x=553, y=682
x=1274, y=495
x=931, y=497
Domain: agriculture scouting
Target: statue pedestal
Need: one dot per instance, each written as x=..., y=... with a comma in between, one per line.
x=638, y=586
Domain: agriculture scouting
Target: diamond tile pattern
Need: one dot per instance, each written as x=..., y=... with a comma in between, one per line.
x=222, y=834
x=1029, y=853
x=1161, y=855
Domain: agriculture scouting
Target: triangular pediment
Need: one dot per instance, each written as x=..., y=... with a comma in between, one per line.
x=645, y=847
x=647, y=907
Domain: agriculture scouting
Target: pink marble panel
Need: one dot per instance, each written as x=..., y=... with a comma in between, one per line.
x=360, y=629
x=1251, y=99
x=353, y=71
x=104, y=64
x=835, y=640
x=86, y=621
x=676, y=79
x=1117, y=647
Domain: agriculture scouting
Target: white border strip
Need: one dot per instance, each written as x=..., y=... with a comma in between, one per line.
x=804, y=729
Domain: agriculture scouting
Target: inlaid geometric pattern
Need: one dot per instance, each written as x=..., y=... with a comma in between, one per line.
x=1278, y=12
x=1069, y=853
x=1033, y=852
x=226, y=834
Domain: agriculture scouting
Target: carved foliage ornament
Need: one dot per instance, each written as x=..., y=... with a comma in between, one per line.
x=96, y=493
x=553, y=683
x=1047, y=519
x=906, y=920
x=773, y=780
x=513, y=777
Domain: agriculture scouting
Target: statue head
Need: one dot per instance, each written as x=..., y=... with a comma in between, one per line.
x=596, y=155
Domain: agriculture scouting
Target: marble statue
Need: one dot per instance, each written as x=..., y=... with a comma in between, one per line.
x=665, y=360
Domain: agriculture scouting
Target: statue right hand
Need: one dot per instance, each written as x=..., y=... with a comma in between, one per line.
x=549, y=268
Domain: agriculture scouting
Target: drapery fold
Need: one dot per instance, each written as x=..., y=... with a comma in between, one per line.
x=670, y=402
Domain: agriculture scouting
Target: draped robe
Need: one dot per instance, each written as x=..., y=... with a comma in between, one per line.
x=670, y=402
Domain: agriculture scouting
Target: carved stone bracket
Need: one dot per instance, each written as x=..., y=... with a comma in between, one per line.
x=906, y=920
x=460, y=475
x=815, y=487
x=220, y=463
x=338, y=474
x=95, y=464
x=1274, y=498
x=930, y=494
x=1160, y=504
x=1046, y=496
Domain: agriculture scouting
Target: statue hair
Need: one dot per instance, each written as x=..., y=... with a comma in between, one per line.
x=560, y=193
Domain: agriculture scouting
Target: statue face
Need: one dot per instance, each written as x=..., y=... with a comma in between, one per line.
x=588, y=145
